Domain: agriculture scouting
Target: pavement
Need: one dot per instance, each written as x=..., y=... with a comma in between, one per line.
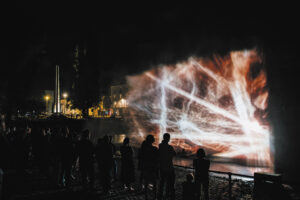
x=77, y=192
x=36, y=187
x=40, y=190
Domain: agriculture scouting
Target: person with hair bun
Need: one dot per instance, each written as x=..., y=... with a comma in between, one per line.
x=188, y=188
x=201, y=166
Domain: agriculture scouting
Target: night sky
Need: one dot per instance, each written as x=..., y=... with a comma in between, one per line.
x=127, y=40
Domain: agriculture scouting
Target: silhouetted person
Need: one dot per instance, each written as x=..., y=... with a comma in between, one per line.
x=98, y=153
x=104, y=156
x=167, y=173
x=85, y=151
x=55, y=158
x=67, y=156
x=127, y=166
x=149, y=164
x=4, y=151
x=42, y=149
x=201, y=166
x=75, y=164
x=46, y=160
x=114, y=166
x=22, y=147
x=140, y=165
x=188, y=188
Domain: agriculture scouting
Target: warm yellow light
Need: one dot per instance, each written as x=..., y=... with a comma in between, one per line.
x=122, y=103
x=65, y=95
x=47, y=98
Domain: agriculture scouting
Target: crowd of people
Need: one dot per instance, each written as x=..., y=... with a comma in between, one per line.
x=60, y=154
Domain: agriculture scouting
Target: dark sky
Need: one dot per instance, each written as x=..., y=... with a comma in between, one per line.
x=126, y=40
x=122, y=40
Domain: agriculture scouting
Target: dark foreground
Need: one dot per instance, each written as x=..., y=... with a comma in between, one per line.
x=38, y=188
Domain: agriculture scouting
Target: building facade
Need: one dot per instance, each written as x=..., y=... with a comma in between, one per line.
x=118, y=98
x=113, y=105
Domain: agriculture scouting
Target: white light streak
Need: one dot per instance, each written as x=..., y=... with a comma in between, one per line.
x=204, y=104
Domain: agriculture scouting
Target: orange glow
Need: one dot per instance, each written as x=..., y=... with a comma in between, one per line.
x=218, y=104
x=47, y=98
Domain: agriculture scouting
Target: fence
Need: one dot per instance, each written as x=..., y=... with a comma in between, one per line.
x=229, y=174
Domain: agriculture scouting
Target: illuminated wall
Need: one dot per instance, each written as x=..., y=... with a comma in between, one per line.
x=219, y=104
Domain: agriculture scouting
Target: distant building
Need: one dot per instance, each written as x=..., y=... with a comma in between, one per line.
x=66, y=105
x=118, y=98
x=103, y=109
x=96, y=111
x=113, y=105
x=67, y=109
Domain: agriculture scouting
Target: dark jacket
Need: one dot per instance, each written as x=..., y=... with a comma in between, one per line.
x=166, y=154
x=201, y=167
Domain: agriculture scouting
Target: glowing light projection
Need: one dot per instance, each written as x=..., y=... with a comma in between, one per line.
x=218, y=104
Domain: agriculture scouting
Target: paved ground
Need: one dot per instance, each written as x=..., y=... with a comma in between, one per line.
x=37, y=188
x=77, y=192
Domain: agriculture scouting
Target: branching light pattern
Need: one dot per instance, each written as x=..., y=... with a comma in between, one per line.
x=218, y=104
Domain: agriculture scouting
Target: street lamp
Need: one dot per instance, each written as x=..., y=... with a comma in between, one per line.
x=65, y=96
x=47, y=99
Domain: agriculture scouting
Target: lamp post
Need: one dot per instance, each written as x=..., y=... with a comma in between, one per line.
x=47, y=99
x=65, y=96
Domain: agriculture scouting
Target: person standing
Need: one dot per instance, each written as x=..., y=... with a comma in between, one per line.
x=104, y=156
x=167, y=173
x=85, y=152
x=140, y=167
x=201, y=166
x=149, y=156
x=67, y=157
x=127, y=166
x=114, y=170
x=188, y=188
x=4, y=150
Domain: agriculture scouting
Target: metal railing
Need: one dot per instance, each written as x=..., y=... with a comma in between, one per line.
x=230, y=174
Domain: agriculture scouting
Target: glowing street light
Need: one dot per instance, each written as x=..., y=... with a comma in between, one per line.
x=47, y=99
x=65, y=95
x=123, y=103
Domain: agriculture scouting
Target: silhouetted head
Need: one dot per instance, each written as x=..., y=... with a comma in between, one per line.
x=200, y=153
x=189, y=177
x=167, y=137
x=126, y=141
x=44, y=132
x=85, y=134
x=66, y=129
x=110, y=138
x=99, y=141
x=106, y=139
x=28, y=130
x=150, y=139
x=65, y=132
